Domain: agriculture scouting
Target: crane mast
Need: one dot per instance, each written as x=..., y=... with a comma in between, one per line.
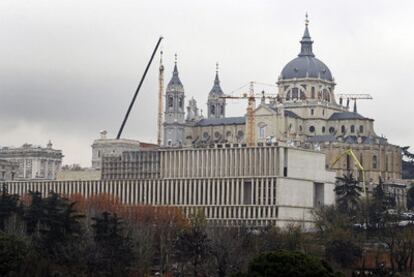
x=250, y=123
x=251, y=106
x=160, y=101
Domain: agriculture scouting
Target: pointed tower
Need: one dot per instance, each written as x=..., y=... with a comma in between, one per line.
x=216, y=106
x=174, y=111
x=306, y=42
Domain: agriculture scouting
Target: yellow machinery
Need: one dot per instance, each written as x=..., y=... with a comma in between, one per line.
x=250, y=118
x=351, y=154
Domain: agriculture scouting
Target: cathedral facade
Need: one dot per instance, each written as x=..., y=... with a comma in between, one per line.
x=304, y=114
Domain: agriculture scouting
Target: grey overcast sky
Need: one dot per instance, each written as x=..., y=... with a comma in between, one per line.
x=68, y=69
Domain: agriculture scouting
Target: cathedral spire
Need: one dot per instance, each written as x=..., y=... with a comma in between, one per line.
x=175, y=80
x=216, y=90
x=306, y=42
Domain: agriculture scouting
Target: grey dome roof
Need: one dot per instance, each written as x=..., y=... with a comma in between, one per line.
x=306, y=65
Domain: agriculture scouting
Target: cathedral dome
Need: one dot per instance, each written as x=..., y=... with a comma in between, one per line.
x=306, y=65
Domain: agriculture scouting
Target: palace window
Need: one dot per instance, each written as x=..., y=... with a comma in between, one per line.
x=343, y=129
x=312, y=111
x=352, y=129
x=331, y=130
x=361, y=128
x=374, y=162
x=222, y=109
x=313, y=92
x=323, y=129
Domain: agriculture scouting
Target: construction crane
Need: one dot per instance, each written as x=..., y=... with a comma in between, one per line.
x=353, y=97
x=251, y=105
x=350, y=154
x=160, y=100
x=137, y=90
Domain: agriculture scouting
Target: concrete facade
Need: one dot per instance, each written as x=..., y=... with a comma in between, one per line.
x=254, y=186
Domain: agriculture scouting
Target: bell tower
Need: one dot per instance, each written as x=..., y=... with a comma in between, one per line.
x=174, y=111
x=216, y=105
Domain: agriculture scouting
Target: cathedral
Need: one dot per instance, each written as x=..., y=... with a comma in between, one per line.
x=272, y=166
x=304, y=114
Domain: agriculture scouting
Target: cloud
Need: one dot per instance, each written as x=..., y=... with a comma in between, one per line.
x=69, y=68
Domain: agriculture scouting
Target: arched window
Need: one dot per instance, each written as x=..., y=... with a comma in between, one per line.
x=240, y=136
x=361, y=128
x=180, y=102
x=323, y=129
x=262, y=130
x=212, y=109
x=343, y=129
x=288, y=95
x=313, y=92
x=374, y=162
x=170, y=101
x=295, y=93
x=352, y=129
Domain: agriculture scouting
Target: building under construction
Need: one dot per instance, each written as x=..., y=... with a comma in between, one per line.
x=271, y=166
x=305, y=112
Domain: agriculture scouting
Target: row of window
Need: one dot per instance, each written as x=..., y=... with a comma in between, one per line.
x=213, y=110
x=170, y=102
x=298, y=94
x=332, y=129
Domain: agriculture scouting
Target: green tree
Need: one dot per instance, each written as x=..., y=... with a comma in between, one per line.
x=348, y=194
x=113, y=253
x=193, y=246
x=34, y=213
x=288, y=263
x=12, y=255
x=9, y=205
x=343, y=252
x=379, y=205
